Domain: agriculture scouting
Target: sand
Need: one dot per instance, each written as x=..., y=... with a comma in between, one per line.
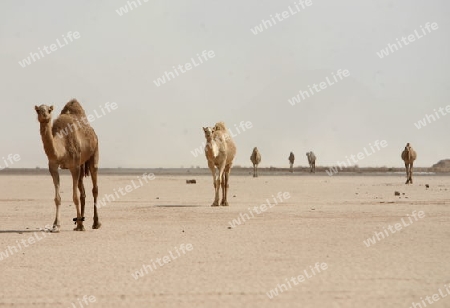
x=325, y=221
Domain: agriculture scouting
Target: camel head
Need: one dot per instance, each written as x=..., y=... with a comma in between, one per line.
x=307, y=154
x=255, y=149
x=208, y=131
x=44, y=113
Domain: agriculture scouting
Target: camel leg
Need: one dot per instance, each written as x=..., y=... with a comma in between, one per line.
x=222, y=185
x=94, y=170
x=219, y=181
x=407, y=173
x=410, y=173
x=256, y=168
x=75, y=178
x=212, y=168
x=216, y=186
x=314, y=168
x=53, y=168
x=82, y=191
x=225, y=186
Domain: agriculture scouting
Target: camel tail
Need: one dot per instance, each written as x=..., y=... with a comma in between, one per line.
x=86, y=168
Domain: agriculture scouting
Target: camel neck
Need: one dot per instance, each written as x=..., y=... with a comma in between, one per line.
x=211, y=148
x=47, y=140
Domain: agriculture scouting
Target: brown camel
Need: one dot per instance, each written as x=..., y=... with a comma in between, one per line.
x=291, y=162
x=220, y=151
x=70, y=143
x=409, y=156
x=311, y=161
x=256, y=159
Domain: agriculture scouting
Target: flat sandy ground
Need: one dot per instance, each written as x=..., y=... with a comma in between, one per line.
x=325, y=220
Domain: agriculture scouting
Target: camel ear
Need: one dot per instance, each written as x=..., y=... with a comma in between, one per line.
x=36, y=108
x=50, y=108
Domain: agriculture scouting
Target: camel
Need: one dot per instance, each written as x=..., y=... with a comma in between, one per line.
x=311, y=161
x=409, y=156
x=70, y=143
x=256, y=159
x=220, y=151
x=291, y=162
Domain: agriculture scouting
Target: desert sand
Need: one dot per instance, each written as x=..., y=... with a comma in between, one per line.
x=325, y=220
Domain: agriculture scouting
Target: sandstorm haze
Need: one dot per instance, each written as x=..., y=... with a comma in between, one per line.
x=116, y=58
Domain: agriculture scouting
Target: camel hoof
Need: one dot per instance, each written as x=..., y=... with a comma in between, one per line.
x=224, y=203
x=96, y=225
x=55, y=229
x=79, y=228
x=215, y=203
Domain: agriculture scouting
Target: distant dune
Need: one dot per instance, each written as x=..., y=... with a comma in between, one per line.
x=442, y=166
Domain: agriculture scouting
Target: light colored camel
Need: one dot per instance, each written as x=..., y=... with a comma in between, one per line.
x=311, y=161
x=220, y=151
x=291, y=162
x=409, y=156
x=256, y=159
x=70, y=143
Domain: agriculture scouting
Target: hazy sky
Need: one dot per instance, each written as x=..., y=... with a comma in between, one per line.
x=117, y=58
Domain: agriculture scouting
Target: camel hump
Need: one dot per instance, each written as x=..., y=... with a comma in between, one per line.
x=220, y=126
x=73, y=107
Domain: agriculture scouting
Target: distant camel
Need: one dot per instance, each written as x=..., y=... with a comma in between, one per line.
x=70, y=143
x=291, y=162
x=311, y=161
x=256, y=159
x=220, y=151
x=409, y=156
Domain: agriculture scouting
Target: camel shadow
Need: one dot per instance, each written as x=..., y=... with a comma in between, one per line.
x=177, y=205
x=22, y=231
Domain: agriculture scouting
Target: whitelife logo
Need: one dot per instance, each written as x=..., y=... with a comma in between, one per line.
x=243, y=125
x=398, y=226
x=87, y=119
x=266, y=24
x=322, y=85
x=24, y=243
x=12, y=158
x=411, y=38
x=188, y=66
x=356, y=158
x=185, y=248
x=431, y=118
x=49, y=49
x=318, y=268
